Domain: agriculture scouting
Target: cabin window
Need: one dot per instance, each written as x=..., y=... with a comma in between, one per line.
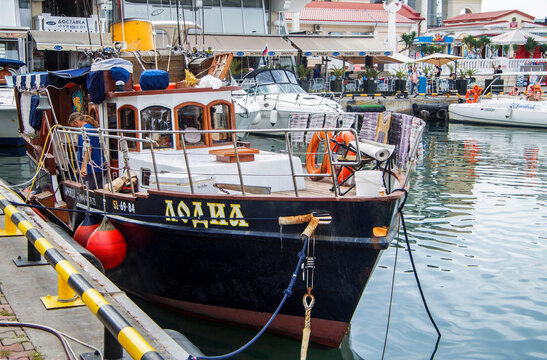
x=157, y=118
x=220, y=119
x=128, y=121
x=190, y=117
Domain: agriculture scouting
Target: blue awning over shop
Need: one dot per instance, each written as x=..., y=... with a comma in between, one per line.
x=11, y=63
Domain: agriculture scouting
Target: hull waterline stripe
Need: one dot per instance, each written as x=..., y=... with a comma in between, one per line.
x=127, y=336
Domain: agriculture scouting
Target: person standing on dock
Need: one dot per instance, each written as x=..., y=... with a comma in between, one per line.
x=414, y=80
x=90, y=161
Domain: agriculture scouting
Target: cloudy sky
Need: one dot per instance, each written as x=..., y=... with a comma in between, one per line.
x=536, y=8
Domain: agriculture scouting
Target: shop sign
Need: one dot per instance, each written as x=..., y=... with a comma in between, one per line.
x=63, y=23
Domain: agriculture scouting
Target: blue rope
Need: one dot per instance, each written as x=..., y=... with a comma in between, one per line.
x=287, y=292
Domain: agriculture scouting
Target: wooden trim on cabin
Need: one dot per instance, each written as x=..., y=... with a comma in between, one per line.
x=137, y=123
x=169, y=91
x=176, y=124
x=231, y=119
x=122, y=196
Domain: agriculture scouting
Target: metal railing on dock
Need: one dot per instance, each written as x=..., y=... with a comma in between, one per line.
x=116, y=325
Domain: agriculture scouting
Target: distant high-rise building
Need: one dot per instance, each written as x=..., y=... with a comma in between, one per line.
x=453, y=8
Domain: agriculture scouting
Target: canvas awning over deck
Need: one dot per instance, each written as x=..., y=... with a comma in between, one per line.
x=243, y=45
x=344, y=46
x=66, y=41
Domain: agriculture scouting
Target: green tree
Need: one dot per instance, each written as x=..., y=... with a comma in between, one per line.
x=482, y=42
x=543, y=49
x=408, y=40
x=530, y=46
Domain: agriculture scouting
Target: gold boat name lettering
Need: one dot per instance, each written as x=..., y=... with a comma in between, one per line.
x=216, y=211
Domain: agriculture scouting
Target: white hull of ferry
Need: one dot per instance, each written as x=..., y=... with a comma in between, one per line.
x=507, y=112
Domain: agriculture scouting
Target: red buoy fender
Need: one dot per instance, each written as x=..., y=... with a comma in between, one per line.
x=108, y=245
x=86, y=228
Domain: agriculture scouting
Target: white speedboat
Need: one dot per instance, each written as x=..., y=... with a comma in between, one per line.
x=279, y=95
x=502, y=110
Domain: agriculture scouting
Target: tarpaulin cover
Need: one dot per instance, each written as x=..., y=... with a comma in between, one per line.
x=11, y=63
x=107, y=64
x=95, y=86
x=63, y=77
x=35, y=117
x=154, y=80
x=119, y=73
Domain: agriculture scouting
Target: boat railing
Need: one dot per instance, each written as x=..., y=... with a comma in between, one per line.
x=295, y=143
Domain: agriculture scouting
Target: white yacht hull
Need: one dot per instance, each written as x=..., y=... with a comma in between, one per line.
x=507, y=112
x=9, y=125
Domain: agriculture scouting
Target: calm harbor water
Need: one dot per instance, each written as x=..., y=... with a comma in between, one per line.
x=477, y=221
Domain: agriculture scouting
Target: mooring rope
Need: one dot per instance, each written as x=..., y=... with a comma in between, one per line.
x=400, y=211
x=313, y=222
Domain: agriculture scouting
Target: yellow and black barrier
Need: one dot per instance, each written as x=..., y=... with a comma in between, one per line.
x=135, y=345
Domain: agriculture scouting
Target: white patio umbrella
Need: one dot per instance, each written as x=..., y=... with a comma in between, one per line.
x=438, y=59
x=516, y=37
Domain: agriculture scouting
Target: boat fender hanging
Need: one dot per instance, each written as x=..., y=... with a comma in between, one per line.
x=86, y=228
x=273, y=116
x=108, y=245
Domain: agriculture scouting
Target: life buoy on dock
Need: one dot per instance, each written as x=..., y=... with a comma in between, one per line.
x=313, y=147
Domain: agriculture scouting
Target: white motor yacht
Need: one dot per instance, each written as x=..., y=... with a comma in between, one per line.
x=279, y=95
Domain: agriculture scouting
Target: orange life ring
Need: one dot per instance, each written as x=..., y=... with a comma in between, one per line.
x=344, y=137
x=471, y=93
x=311, y=165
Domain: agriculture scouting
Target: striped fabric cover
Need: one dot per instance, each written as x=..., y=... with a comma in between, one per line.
x=316, y=121
x=298, y=121
x=368, y=128
x=331, y=119
x=347, y=119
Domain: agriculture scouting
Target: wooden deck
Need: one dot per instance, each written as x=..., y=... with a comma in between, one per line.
x=316, y=189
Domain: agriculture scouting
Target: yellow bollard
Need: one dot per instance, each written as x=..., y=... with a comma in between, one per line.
x=10, y=228
x=66, y=298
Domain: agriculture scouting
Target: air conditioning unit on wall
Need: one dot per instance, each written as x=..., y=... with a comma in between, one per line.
x=317, y=27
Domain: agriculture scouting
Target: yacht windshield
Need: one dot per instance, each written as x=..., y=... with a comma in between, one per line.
x=279, y=89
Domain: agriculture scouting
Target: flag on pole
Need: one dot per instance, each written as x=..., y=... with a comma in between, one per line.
x=265, y=51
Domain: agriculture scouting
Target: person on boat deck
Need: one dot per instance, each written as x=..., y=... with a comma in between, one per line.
x=3, y=73
x=91, y=162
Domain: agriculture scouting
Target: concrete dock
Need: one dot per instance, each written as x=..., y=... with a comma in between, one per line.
x=22, y=287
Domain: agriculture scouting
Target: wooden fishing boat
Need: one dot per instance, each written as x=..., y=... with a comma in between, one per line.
x=201, y=221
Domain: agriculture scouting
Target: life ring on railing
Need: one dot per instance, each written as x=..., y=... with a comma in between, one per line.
x=537, y=92
x=344, y=137
x=311, y=162
x=470, y=96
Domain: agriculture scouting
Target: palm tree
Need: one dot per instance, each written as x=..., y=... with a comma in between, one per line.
x=543, y=49
x=471, y=43
x=481, y=44
x=530, y=46
x=408, y=40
